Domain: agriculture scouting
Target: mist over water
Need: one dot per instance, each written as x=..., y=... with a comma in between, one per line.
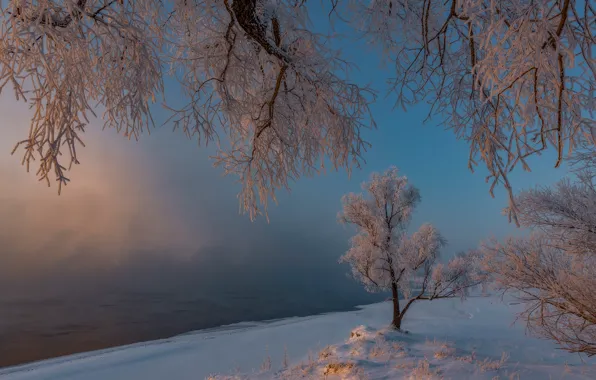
x=147, y=244
x=158, y=297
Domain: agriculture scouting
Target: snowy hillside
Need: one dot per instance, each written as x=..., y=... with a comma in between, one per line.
x=447, y=339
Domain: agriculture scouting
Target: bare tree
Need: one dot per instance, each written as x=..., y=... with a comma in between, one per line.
x=554, y=271
x=510, y=77
x=384, y=258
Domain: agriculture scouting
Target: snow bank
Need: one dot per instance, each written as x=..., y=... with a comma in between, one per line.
x=447, y=338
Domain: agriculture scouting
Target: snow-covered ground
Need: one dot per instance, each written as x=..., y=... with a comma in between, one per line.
x=447, y=339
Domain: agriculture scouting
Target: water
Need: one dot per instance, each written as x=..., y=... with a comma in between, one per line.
x=81, y=304
x=41, y=327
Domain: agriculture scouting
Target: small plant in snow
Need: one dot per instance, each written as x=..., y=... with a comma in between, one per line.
x=397, y=346
x=406, y=365
x=444, y=349
x=380, y=348
x=266, y=365
x=338, y=368
x=284, y=364
x=301, y=371
x=360, y=374
x=326, y=353
x=437, y=343
x=357, y=349
x=399, y=354
x=362, y=333
x=310, y=358
x=444, y=352
x=383, y=257
x=508, y=376
x=493, y=365
x=466, y=358
x=423, y=371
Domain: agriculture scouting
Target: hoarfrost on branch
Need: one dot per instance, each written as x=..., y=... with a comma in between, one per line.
x=554, y=271
x=384, y=258
x=510, y=77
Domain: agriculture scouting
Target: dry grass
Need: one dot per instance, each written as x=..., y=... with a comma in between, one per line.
x=301, y=371
x=355, y=351
x=466, y=359
x=438, y=343
x=398, y=346
x=339, y=368
x=360, y=374
x=493, y=365
x=358, y=348
x=266, y=365
x=512, y=376
x=368, y=345
x=423, y=371
x=406, y=365
x=444, y=352
x=285, y=361
x=363, y=333
x=326, y=353
x=444, y=349
x=397, y=350
x=399, y=354
x=381, y=348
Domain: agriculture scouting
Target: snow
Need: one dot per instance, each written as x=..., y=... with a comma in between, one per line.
x=450, y=338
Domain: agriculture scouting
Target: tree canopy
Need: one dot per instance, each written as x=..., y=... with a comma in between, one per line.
x=510, y=77
x=553, y=272
x=384, y=257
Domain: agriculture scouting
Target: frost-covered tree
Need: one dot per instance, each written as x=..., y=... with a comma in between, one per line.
x=510, y=77
x=383, y=257
x=250, y=70
x=554, y=271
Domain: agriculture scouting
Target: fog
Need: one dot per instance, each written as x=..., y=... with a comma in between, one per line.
x=131, y=206
x=147, y=241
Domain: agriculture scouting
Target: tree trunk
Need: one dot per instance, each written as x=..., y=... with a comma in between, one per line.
x=396, y=313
